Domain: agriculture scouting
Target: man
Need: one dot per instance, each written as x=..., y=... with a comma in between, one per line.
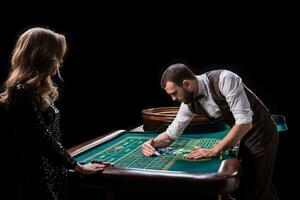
x=222, y=94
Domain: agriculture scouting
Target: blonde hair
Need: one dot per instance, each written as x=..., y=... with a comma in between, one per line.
x=35, y=59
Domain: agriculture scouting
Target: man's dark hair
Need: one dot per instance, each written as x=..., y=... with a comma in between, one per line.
x=176, y=73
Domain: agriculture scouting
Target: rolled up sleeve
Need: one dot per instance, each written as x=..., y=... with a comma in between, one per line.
x=231, y=86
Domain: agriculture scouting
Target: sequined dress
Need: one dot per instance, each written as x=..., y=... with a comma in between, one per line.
x=42, y=158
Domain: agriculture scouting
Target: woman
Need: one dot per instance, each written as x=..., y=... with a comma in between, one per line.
x=30, y=95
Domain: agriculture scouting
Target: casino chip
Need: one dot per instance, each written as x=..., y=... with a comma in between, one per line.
x=165, y=150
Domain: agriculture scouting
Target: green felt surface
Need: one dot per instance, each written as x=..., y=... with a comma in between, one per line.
x=125, y=151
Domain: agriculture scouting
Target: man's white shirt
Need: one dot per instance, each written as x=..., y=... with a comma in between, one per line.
x=231, y=87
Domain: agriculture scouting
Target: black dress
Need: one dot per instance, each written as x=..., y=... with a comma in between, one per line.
x=42, y=158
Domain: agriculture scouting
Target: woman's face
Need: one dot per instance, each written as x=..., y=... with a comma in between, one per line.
x=57, y=63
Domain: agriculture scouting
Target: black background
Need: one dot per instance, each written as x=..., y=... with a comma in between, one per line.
x=116, y=56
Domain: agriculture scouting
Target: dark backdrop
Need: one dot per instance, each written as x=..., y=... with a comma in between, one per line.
x=115, y=59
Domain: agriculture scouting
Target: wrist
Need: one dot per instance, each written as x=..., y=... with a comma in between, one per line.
x=217, y=150
x=152, y=142
x=79, y=168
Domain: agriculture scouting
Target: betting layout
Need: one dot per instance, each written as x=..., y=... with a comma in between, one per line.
x=127, y=153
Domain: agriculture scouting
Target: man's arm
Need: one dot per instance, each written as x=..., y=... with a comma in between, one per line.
x=181, y=121
x=161, y=140
x=237, y=132
x=231, y=86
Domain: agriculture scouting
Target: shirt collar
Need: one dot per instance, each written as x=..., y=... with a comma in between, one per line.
x=201, y=85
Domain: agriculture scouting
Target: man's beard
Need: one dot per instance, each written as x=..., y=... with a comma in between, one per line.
x=188, y=96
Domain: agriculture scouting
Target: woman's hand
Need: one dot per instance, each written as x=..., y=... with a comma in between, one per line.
x=90, y=168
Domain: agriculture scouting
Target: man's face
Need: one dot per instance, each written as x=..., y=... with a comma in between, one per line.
x=179, y=93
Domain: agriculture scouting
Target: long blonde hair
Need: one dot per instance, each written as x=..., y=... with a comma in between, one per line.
x=35, y=58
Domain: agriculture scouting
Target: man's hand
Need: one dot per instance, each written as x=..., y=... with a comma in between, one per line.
x=162, y=140
x=234, y=136
x=148, y=148
x=199, y=153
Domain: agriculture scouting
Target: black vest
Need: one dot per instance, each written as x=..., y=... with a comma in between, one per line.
x=261, y=115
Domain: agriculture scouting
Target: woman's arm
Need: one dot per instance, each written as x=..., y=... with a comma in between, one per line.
x=27, y=110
